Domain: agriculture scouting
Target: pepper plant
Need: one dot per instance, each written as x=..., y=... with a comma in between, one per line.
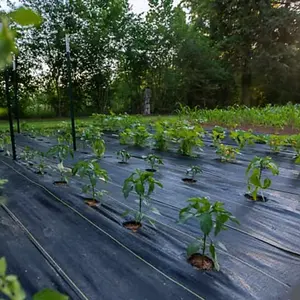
x=242, y=138
x=295, y=143
x=41, y=165
x=11, y=288
x=161, y=136
x=254, y=174
x=144, y=184
x=193, y=171
x=98, y=147
x=227, y=153
x=61, y=152
x=212, y=218
x=4, y=143
x=140, y=135
x=27, y=154
x=125, y=156
x=218, y=134
x=276, y=142
x=126, y=136
x=153, y=160
x=91, y=170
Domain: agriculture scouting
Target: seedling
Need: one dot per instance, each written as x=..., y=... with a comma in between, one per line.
x=144, y=184
x=98, y=147
x=161, y=137
x=275, y=142
x=140, y=135
x=254, y=173
x=218, y=134
x=227, y=153
x=4, y=143
x=41, y=166
x=125, y=137
x=242, y=138
x=27, y=154
x=91, y=170
x=125, y=156
x=212, y=219
x=61, y=152
x=153, y=160
x=193, y=171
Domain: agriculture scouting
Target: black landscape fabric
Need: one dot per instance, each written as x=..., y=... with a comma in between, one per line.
x=100, y=259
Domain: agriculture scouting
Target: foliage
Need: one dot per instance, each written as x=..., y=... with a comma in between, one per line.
x=153, y=160
x=61, y=151
x=27, y=154
x=227, y=153
x=98, y=147
x=276, y=142
x=161, y=136
x=193, y=171
x=218, y=134
x=11, y=288
x=4, y=143
x=188, y=137
x=295, y=143
x=242, y=138
x=143, y=184
x=124, y=155
x=91, y=170
x=254, y=173
x=212, y=219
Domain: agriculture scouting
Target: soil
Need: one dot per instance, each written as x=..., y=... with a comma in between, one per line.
x=201, y=262
x=91, y=202
x=189, y=180
x=259, y=198
x=132, y=225
x=60, y=183
x=151, y=170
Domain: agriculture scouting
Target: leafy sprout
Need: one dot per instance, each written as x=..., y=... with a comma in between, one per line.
x=125, y=156
x=153, y=160
x=93, y=172
x=254, y=173
x=212, y=219
x=98, y=147
x=193, y=171
x=143, y=184
x=227, y=153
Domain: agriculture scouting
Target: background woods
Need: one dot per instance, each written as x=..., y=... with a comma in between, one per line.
x=207, y=53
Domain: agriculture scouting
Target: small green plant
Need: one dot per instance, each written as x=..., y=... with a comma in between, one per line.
x=193, y=171
x=41, y=165
x=144, y=184
x=276, y=142
x=295, y=143
x=140, y=135
x=10, y=287
x=98, y=147
x=125, y=137
x=254, y=174
x=227, y=153
x=125, y=156
x=91, y=170
x=61, y=152
x=212, y=219
x=4, y=144
x=218, y=135
x=153, y=161
x=161, y=136
x=27, y=154
x=242, y=138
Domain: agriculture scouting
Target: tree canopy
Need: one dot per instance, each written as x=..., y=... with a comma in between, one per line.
x=199, y=53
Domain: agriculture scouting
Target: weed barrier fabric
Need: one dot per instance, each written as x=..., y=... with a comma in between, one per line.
x=262, y=258
x=99, y=264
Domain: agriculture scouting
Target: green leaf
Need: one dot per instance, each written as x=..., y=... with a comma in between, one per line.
x=139, y=188
x=3, y=266
x=25, y=17
x=267, y=183
x=48, y=294
x=213, y=253
x=255, y=180
x=193, y=248
x=221, y=219
x=206, y=223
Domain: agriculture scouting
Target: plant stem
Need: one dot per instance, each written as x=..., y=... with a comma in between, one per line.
x=140, y=208
x=203, y=249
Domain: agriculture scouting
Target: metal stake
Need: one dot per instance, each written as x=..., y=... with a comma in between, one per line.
x=9, y=106
x=17, y=108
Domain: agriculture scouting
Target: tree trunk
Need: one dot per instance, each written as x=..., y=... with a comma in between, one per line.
x=246, y=82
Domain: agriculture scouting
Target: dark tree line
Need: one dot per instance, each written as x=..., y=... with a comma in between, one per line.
x=207, y=53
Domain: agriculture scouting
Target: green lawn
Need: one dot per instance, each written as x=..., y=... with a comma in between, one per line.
x=48, y=123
